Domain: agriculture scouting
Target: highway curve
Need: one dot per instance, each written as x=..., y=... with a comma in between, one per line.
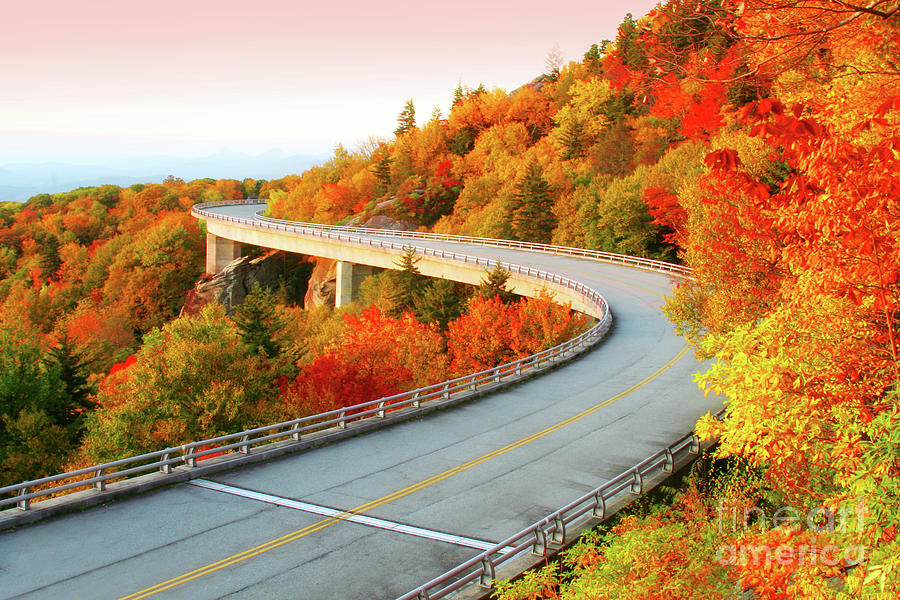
x=432, y=492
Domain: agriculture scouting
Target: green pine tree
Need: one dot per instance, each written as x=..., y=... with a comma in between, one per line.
x=383, y=172
x=494, y=284
x=593, y=60
x=73, y=397
x=259, y=323
x=572, y=138
x=532, y=214
x=458, y=95
x=409, y=283
x=406, y=121
x=441, y=302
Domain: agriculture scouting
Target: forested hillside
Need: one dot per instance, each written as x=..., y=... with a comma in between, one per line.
x=98, y=361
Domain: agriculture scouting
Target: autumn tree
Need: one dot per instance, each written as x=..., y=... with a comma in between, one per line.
x=491, y=332
x=32, y=443
x=377, y=356
x=194, y=378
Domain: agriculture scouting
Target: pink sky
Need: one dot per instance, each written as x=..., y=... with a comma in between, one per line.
x=93, y=79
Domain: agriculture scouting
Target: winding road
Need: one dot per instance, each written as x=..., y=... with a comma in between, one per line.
x=426, y=494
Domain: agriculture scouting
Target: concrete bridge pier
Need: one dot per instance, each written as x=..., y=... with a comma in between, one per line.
x=220, y=252
x=349, y=276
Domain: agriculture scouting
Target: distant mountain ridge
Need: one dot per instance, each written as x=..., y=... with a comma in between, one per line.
x=20, y=181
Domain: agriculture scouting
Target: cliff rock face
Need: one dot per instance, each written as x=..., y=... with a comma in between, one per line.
x=382, y=221
x=385, y=222
x=322, y=283
x=234, y=282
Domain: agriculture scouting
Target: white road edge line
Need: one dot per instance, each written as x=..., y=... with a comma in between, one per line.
x=351, y=517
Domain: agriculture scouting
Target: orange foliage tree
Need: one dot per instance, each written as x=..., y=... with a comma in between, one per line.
x=377, y=356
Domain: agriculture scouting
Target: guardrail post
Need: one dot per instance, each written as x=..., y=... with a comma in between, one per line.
x=343, y=420
x=380, y=413
x=497, y=375
x=446, y=392
x=165, y=467
x=189, y=459
x=25, y=503
x=637, y=486
x=423, y=595
x=474, y=385
x=559, y=531
x=244, y=448
x=415, y=400
x=695, y=445
x=295, y=432
x=487, y=573
x=99, y=485
x=599, y=510
x=539, y=548
x=669, y=465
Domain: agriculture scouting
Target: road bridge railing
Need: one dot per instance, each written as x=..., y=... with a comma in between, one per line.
x=295, y=430
x=201, y=211
x=549, y=534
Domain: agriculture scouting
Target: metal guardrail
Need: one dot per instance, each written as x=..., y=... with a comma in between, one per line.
x=187, y=455
x=540, y=538
x=294, y=430
x=592, y=297
x=611, y=257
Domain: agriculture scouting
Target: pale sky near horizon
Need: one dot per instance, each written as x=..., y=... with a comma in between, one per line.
x=91, y=80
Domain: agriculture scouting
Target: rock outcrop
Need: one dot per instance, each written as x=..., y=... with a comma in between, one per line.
x=382, y=221
x=235, y=281
x=322, y=283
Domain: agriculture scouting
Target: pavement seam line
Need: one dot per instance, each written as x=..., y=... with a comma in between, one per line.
x=315, y=527
x=368, y=521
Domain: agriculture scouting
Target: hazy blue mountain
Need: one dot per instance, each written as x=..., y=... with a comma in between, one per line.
x=20, y=181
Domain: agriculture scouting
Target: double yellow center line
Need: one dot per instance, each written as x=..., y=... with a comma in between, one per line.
x=320, y=525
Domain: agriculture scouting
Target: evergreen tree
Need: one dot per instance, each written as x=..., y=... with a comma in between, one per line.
x=442, y=302
x=383, y=172
x=592, y=60
x=532, y=214
x=494, y=284
x=259, y=323
x=74, y=391
x=409, y=283
x=458, y=96
x=572, y=139
x=406, y=122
